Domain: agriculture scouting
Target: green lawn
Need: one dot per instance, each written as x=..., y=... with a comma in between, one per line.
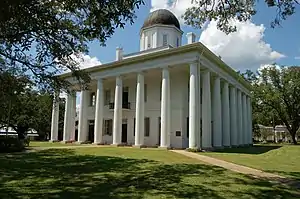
x=121, y=173
x=281, y=159
x=49, y=144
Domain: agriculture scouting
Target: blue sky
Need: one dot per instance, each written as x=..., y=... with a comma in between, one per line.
x=283, y=40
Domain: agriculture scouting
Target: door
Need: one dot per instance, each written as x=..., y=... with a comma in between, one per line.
x=125, y=96
x=159, y=130
x=124, y=133
x=91, y=131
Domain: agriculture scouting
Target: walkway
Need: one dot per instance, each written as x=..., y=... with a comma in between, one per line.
x=239, y=168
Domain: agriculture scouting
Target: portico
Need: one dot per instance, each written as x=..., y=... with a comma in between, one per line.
x=165, y=96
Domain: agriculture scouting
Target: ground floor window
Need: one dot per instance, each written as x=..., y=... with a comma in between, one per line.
x=147, y=127
x=108, y=127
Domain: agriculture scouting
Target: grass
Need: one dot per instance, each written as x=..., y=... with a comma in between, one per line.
x=49, y=144
x=280, y=159
x=122, y=173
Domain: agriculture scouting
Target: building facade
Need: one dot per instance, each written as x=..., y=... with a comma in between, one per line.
x=167, y=95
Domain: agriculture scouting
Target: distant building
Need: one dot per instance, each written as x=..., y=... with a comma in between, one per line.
x=11, y=132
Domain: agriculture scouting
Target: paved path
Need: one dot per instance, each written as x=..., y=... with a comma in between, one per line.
x=240, y=169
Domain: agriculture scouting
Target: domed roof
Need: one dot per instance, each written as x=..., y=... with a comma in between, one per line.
x=161, y=16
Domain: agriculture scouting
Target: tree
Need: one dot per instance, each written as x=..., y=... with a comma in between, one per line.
x=43, y=37
x=22, y=107
x=225, y=10
x=277, y=89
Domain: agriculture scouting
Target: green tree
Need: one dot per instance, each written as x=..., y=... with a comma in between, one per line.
x=225, y=10
x=276, y=92
x=21, y=106
x=40, y=36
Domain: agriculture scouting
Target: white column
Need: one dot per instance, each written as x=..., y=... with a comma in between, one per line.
x=73, y=116
x=193, y=107
x=198, y=122
x=217, y=114
x=83, y=121
x=165, y=109
x=117, y=125
x=239, y=118
x=233, y=121
x=67, y=118
x=206, y=112
x=225, y=115
x=250, y=122
x=139, y=111
x=98, y=134
x=244, y=115
x=55, y=118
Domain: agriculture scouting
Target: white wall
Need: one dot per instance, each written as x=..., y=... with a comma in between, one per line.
x=178, y=86
x=154, y=37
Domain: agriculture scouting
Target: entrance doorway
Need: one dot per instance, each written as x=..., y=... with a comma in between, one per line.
x=91, y=130
x=159, y=131
x=124, y=131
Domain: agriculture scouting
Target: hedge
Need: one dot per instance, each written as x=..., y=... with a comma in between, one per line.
x=12, y=144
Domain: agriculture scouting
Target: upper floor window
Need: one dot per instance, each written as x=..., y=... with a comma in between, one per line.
x=145, y=92
x=93, y=99
x=177, y=42
x=165, y=40
x=107, y=97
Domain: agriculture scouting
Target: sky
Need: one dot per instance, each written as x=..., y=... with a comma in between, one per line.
x=253, y=45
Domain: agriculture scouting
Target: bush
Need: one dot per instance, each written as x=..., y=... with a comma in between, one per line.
x=12, y=144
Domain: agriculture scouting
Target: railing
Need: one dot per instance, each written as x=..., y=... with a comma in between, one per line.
x=125, y=105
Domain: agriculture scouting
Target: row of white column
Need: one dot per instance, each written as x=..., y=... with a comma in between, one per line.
x=69, y=119
x=226, y=118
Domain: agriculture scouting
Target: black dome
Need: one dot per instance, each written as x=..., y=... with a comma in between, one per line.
x=161, y=16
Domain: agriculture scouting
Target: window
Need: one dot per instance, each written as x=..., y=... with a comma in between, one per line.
x=187, y=127
x=108, y=127
x=107, y=97
x=147, y=127
x=145, y=92
x=165, y=40
x=160, y=90
x=134, y=127
x=178, y=133
x=93, y=99
x=177, y=42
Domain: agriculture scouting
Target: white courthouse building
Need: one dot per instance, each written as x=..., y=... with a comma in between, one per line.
x=169, y=94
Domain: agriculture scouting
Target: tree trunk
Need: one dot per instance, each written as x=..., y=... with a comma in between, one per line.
x=294, y=138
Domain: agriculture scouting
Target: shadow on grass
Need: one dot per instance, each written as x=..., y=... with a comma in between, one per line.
x=256, y=149
x=60, y=173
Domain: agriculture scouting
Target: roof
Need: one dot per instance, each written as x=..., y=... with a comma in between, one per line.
x=198, y=46
x=161, y=17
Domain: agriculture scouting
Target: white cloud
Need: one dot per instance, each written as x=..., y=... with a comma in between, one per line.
x=178, y=7
x=84, y=61
x=244, y=49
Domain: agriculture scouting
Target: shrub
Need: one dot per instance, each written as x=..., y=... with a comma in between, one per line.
x=12, y=144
